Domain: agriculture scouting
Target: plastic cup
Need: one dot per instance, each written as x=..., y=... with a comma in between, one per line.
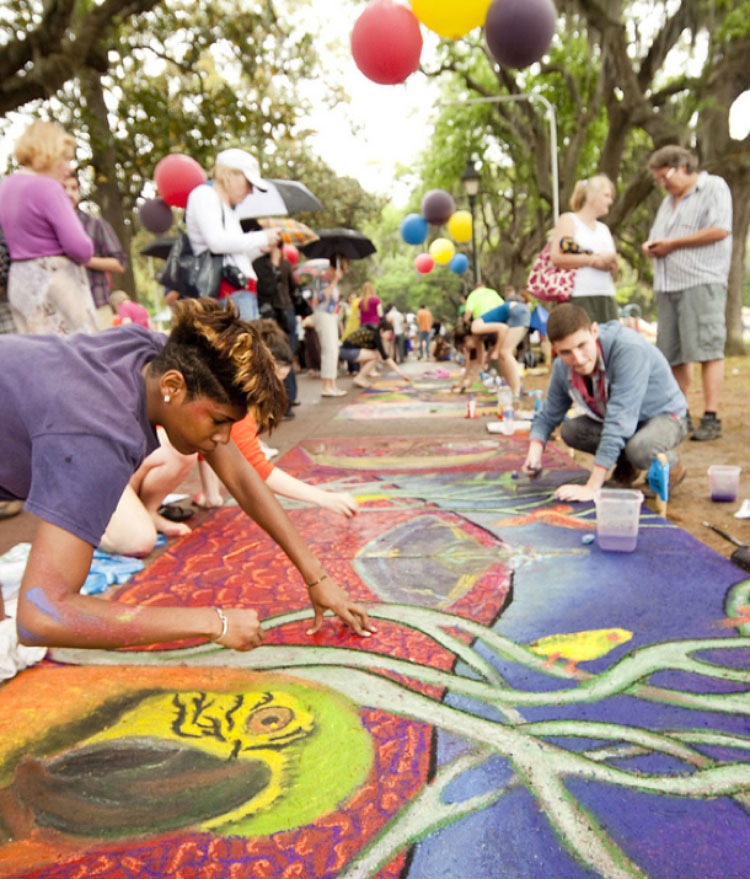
x=618, y=512
x=724, y=482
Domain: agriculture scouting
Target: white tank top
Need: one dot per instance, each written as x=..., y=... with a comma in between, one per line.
x=590, y=281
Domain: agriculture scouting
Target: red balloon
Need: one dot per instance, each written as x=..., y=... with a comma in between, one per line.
x=176, y=176
x=386, y=42
x=291, y=253
x=438, y=207
x=424, y=263
x=519, y=32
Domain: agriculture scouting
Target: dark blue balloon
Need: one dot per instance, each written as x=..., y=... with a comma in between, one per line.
x=414, y=229
x=459, y=263
x=438, y=206
x=155, y=215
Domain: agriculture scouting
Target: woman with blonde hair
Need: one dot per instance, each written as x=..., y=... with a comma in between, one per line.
x=583, y=243
x=48, y=290
x=212, y=224
x=370, y=305
x=73, y=438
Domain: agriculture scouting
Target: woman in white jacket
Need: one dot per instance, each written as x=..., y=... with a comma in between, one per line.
x=212, y=224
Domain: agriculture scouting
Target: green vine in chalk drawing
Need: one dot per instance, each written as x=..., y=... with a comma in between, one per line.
x=540, y=765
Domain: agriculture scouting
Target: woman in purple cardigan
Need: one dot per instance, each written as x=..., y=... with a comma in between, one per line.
x=48, y=290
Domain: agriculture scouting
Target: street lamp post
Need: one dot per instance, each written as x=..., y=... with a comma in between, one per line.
x=471, y=181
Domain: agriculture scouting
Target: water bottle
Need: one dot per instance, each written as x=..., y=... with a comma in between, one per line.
x=471, y=407
x=504, y=401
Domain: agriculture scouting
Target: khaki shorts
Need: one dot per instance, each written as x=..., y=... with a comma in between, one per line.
x=692, y=326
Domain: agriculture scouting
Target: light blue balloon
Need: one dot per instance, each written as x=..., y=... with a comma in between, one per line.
x=414, y=229
x=459, y=263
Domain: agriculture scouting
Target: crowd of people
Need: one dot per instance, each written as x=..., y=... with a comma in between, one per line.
x=116, y=418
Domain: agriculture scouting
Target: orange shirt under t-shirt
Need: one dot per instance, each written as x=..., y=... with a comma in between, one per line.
x=245, y=436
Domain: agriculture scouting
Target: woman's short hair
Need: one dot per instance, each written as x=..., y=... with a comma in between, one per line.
x=565, y=319
x=42, y=145
x=275, y=339
x=223, y=358
x=584, y=188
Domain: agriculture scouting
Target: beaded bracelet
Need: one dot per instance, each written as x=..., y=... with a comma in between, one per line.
x=319, y=580
x=224, y=624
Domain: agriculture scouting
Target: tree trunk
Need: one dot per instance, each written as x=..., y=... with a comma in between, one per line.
x=739, y=182
x=103, y=159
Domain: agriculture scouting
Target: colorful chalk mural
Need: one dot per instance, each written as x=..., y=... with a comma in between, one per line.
x=529, y=706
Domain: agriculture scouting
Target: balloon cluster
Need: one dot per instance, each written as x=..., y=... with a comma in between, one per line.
x=386, y=39
x=438, y=208
x=175, y=176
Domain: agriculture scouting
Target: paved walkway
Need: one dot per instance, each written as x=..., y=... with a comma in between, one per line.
x=529, y=706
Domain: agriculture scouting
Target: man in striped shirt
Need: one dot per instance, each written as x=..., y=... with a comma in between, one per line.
x=690, y=244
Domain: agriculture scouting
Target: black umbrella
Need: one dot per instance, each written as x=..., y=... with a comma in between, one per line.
x=159, y=247
x=283, y=197
x=339, y=242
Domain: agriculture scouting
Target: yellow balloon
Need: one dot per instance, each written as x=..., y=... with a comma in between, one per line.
x=451, y=18
x=442, y=250
x=459, y=226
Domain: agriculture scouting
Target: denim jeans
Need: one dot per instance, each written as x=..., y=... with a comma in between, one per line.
x=247, y=303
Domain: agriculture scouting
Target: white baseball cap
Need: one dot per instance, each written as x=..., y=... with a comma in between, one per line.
x=239, y=160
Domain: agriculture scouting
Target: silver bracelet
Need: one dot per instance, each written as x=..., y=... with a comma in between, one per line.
x=224, y=624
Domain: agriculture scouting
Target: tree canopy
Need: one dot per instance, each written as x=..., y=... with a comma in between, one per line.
x=624, y=78
x=172, y=76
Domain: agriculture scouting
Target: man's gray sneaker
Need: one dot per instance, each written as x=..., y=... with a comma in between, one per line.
x=708, y=429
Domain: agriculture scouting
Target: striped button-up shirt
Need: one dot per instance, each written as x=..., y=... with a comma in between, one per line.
x=708, y=204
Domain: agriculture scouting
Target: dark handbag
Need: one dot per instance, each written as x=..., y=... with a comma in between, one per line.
x=190, y=275
x=204, y=276
x=234, y=276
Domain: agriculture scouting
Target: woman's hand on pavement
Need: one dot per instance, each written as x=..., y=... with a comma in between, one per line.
x=341, y=502
x=328, y=595
x=244, y=631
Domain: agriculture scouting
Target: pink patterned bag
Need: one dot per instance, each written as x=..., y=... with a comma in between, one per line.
x=547, y=282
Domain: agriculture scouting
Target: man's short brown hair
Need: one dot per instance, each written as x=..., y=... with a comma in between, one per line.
x=566, y=319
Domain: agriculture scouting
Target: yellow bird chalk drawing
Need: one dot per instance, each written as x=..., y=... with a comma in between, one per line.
x=578, y=647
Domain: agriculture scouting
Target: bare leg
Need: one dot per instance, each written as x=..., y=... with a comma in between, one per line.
x=368, y=361
x=713, y=378
x=210, y=495
x=160, y=474
x=683, y=374
x=133, y=527
x=506, y=357
x=131, y=530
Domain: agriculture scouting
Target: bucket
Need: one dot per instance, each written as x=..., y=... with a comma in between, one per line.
x=617, y=513
x=724, y=482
